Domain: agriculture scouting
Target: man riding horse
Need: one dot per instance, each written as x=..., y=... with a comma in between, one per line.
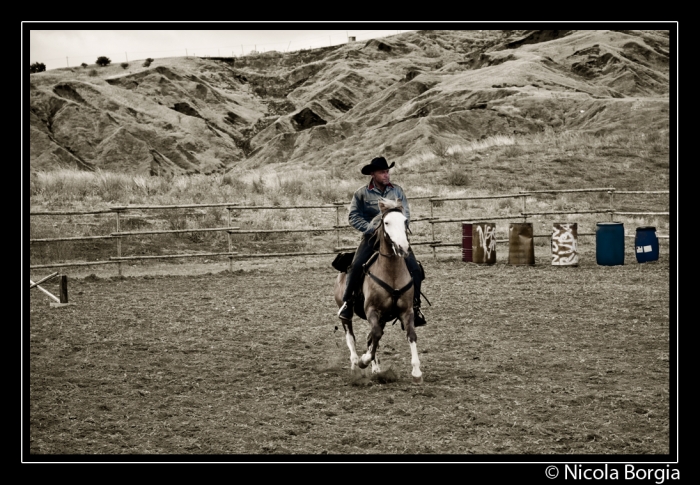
x=363, y=208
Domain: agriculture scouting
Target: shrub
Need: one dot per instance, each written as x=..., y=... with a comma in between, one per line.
x=176, y=222
x=147, y=62
x=124, y=65
x=37, y=67
x=440, y=149
x=103, y=61
x=235, y=182
x=512, y=151
x=84, y=65
x=337, y=173
x=457, y=176
x=292, y=186
x=328, y=194
x=93, y=72
x=505, y=204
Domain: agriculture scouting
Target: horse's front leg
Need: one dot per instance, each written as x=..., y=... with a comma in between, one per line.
x=375, y=333
x=375, y=360
x=407, y=320
x=350, y=341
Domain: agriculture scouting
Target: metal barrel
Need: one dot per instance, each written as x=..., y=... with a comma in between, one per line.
x=467, y=242
x=565, y=244
x=646, y=244
x=484, y=242
x=521, y=246
x=610, y=243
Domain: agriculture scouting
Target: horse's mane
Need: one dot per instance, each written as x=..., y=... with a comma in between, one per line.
x=389, y=204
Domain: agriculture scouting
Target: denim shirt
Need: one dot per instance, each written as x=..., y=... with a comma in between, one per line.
x=365, y=206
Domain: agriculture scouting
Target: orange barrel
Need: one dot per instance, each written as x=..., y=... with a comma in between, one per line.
x=521, y=245
x=467, y=242
x=564, y=244
x=484, y=242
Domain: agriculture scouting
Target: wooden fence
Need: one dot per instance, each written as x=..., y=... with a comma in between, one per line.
x=524, y=214
x=118, y=234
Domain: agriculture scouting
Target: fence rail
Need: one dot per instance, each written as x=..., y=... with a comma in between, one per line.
x=641, y=191
x=173, y=231
x=476, y=197
x=76, y=238
x=71, y=213
x=118, y=235
x=72, y=263
x=562, y=191
x=165, y=256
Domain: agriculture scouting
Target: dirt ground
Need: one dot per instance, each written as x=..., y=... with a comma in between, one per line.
x=517, y=360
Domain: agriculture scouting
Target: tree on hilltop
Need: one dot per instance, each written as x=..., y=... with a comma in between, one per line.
x=103, y=61
x=37, y=67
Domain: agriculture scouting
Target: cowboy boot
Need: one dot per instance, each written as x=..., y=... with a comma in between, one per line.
x=346, y=310
x=418, y=317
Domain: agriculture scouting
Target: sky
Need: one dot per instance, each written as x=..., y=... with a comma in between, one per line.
x=58, y=48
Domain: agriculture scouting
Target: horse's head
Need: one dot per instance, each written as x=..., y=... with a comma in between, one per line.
x=393, y=226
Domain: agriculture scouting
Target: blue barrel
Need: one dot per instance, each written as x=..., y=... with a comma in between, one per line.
x=610, y=243
x=646, y=244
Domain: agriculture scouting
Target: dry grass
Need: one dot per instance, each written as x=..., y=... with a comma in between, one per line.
x=496, y=165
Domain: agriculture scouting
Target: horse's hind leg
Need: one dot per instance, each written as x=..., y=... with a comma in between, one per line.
x=350, y=340
x=375, y=333
x=347, y=324
x=416, y=373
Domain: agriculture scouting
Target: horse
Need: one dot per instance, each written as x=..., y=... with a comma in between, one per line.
x=388, y=291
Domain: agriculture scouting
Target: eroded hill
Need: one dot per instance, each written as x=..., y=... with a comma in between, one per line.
x=343, y=105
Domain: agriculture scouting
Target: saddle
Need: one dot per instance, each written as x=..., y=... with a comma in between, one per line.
x=342, y=261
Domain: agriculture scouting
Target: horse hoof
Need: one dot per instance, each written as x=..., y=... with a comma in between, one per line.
x=418, y=380
x=361, y=364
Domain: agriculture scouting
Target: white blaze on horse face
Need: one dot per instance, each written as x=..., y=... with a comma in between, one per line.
x=395, y=228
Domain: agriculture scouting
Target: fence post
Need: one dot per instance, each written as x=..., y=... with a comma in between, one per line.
x=230, y=243
x=432, y=228
x=524, y=208
x=63, y=289
x=610, y=192
x=337, y=224
x=119, y=246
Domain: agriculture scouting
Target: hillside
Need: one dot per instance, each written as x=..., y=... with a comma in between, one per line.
x=342, y=105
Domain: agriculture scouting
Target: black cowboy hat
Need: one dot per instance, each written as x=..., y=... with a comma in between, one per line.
x=378, y=163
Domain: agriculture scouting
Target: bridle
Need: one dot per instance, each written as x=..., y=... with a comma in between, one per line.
x=386, y=235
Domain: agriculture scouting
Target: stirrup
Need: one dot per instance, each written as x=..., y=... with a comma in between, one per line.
x=344, y=310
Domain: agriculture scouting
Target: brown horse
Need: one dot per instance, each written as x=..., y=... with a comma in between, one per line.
x=388, y=291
